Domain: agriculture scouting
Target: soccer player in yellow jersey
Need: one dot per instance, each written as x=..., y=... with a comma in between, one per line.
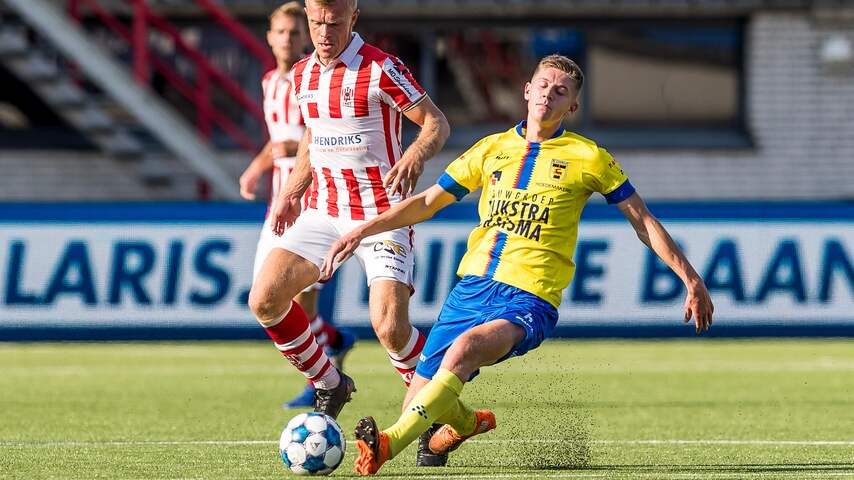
x=536, y=178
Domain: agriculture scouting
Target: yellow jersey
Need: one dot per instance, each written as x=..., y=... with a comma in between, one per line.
x=533, y=195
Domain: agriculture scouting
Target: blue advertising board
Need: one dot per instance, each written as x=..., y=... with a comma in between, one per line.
x=183, y=270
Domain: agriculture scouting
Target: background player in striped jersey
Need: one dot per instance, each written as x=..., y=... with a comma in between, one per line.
x=352, y=97
x=536, y=178
x=287, y=38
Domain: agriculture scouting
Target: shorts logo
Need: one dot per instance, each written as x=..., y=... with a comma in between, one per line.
x=559, y=169
x=495, y=177
x=348, y=97
x=528, y=319
x=390, y=247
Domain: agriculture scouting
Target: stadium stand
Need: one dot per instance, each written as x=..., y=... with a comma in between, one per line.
x=762, y=89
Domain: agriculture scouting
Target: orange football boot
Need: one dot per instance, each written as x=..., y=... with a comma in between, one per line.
x=446, y=439
x=373, y=447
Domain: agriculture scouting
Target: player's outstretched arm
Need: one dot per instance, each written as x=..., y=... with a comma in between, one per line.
x=408, y=212
x=262, y=163
x=431, y=139
x=286, y=207
x=698, y=303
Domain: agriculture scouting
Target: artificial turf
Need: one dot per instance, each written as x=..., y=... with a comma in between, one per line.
x=682, y=409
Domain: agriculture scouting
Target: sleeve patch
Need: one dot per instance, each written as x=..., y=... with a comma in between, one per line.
x=399, y=75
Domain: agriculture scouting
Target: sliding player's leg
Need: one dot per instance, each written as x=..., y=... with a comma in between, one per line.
x=482, y=322
x=439, y=400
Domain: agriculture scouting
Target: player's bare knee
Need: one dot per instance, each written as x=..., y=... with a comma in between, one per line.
x=393, y=336
x=459, y=364
x=264, y=305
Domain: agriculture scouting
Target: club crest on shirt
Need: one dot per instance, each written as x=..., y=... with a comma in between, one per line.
x=495, y=177
x=348, y=95
x=559, y=169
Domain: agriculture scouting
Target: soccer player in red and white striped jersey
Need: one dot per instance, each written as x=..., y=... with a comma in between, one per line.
x=288, y=39
x=352, y=97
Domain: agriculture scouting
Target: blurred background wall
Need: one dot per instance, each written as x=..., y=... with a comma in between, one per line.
x=745, y=99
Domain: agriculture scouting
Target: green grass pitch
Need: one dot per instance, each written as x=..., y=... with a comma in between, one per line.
x=687, y=409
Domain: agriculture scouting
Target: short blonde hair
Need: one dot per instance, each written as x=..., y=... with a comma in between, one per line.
x=291, y=9
x=564, y=64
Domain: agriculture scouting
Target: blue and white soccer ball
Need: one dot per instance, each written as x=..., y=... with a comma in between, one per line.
x=312, y=444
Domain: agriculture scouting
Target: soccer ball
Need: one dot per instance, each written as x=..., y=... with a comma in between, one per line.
x=312, y=444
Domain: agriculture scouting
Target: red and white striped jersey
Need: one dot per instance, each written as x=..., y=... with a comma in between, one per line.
x=353, y=107
x=284, y=123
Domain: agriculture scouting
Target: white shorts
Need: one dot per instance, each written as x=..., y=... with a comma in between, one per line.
x=386, y=255
x=266, y=244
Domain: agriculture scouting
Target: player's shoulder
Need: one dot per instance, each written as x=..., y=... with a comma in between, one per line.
x=301, y=63
x=385, y=60
x=585, y=147
x=494, y=140
x=375, y=54
x=268, y=75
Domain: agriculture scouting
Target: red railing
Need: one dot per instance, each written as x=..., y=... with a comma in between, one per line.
x=207, y=77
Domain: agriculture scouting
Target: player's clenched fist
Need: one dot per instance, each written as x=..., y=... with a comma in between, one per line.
x=285, y=211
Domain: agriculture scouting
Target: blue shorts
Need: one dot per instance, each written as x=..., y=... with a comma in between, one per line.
x=477, y=300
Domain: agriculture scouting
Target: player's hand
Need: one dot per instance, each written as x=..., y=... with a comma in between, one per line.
x=284, y=213
x=698, y=305
x=249, y=183
x=340, y=252
x=404, y=174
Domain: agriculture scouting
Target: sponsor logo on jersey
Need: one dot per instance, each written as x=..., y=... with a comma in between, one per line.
x=397, y=72
x=559, y=169
x=556, y=186
x=337, y=140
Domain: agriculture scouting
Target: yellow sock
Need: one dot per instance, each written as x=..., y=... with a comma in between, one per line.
x=460, y=417
x=437, y=397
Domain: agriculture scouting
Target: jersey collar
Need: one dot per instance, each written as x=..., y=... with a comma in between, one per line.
x=520, y=130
